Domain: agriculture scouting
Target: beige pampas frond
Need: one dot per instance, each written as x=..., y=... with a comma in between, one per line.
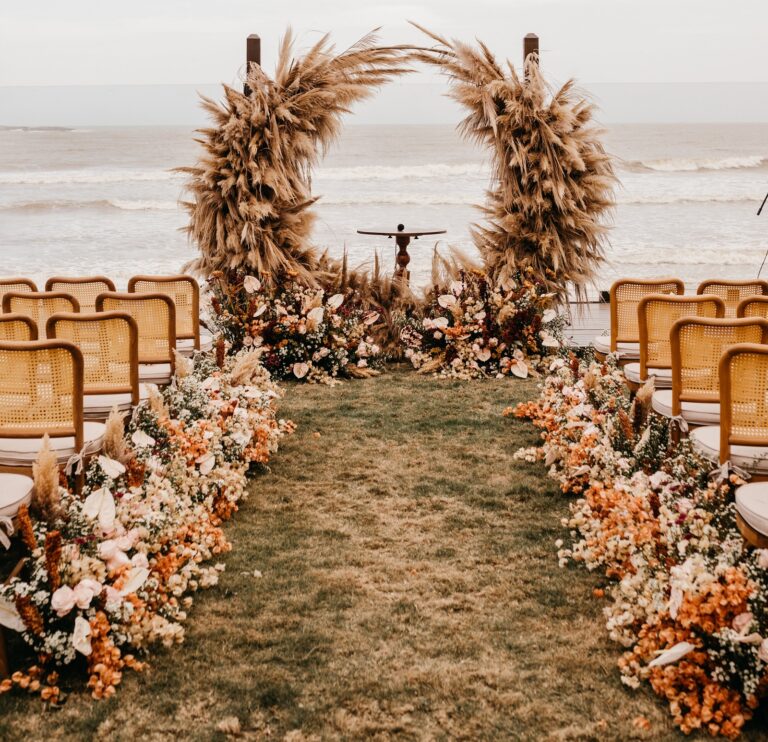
x=552, y=181
x=183, y=365
x=46, y=499
x=246, y=368
x=115, y=446
x=251, y=189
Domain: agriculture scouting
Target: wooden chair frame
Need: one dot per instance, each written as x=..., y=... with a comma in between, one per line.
x=27, y=320
x=17, y=281
x=642, y=321
x=134, y=297
x=133, y=350
x=726, y=400
x=76, y=431
x=181, y=278
x=744, y=304
x=679, y=395
x=50, y=284
x=620, y=335
x=38, y=295
x=701, y=289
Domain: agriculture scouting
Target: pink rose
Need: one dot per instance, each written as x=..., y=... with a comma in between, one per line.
x=762, y=558
x=762, y=653
x=85, y=591
x=63, y=600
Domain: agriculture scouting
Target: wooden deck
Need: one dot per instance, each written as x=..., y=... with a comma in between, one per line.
x=587, y=320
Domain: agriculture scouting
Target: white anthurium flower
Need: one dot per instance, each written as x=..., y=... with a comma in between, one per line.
x=480, y=316
x=484, y=355
x=101, y=505
x=316, y=315
x=136, y=578
x=260, y=310
x=440, y=323
x=113, y=469
x=300, y=370
x=456, y=288
x=371, y=318
x=9, y=617
x=81, y=638
x=519, y=367
x=336, y=301
x=548, y=341
x=242, y=437
x=212, y=384
x=446, y=301
x=673, y=654
x=251, y=284
x=142, y=440
x=207, y=461
x=548, y=316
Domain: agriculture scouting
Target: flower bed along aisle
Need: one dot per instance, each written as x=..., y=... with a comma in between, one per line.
x=687, y=599
x=113, y=571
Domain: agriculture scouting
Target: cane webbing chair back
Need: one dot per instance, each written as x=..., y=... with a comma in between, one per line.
x=656, y=315
x=85, y=289
x=109, y=342
x=697, y=345
x=754, y=306
x=185, y=292
x=39, y=305
x=743, y=397
x=155, y=317
x=41, y=390
x=733, y=292
x=16, y=284
x=17, y=327
x=625, y=295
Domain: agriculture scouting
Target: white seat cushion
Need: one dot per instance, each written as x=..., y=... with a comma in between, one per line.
x=155, y=373
x=186, y=346
x=696, y=413
x=752, y=505
x=753, y=459
x=15, y=491
x=602, y=344
x=662, y=376
x=23, y=451
x=96, y=404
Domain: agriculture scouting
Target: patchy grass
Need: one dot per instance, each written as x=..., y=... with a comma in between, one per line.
x=410, y=590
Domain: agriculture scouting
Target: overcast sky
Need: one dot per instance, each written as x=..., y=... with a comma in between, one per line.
x=199, y=42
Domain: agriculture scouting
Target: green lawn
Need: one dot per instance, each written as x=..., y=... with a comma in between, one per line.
x=409, y=589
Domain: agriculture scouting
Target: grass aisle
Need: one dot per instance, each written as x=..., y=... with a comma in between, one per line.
x=409, y=589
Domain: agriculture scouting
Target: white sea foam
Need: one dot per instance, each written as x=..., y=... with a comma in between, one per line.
x=402, y=172
x=121, y=204
x=685, y=164
x=43, y=177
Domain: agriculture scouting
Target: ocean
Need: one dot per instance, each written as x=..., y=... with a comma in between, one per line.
x=105, y=200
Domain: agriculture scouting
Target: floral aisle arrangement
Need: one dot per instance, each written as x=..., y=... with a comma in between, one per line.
x=686, y=597
x=113, y=570
x=473, y=328
x=301, y=333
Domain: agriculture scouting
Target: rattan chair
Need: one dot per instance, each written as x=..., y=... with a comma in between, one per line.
x=109, y=342
x=85, y=289
x=17, y=327
x=697, y=344
x=656, y=314
x=741, y=439
x=155, y=316
x=39, y=305
x=17, y=285
x=185, y=292
x=733, y=292
x=753, y=306
x=41, y=391
x=625, y=295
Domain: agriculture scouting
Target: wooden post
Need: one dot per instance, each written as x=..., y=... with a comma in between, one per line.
x=252, y=56
x=530, y=46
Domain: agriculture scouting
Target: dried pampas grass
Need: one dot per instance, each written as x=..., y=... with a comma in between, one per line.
x=115, y=446
x=46, y=498
x=251, y=190
x=552, y=182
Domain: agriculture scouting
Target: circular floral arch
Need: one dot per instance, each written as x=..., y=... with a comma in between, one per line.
x=544, y=213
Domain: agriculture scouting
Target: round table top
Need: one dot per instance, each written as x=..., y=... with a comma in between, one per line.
x=403, y=233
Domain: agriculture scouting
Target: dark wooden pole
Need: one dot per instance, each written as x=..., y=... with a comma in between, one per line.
x=530, y=46
x=252, y=56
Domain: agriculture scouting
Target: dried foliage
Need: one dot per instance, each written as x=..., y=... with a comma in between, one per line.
x=252, y=188
x=552, y=181
x=114, y=438
x=46, y=500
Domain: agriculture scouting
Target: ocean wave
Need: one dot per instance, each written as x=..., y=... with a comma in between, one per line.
x=121, y=204
x=402, y=172
x=44, y=177
x=689, y=165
